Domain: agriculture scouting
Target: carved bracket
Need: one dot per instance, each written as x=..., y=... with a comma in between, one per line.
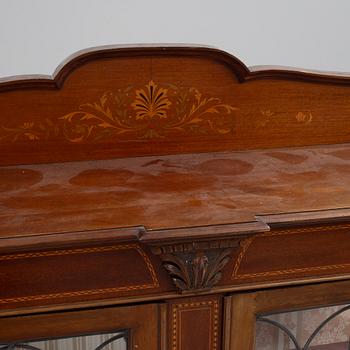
x=196, y=270
x=197, y=265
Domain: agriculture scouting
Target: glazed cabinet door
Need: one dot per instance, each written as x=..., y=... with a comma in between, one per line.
x=321, y=328
x=114, y=328
x=314, y=317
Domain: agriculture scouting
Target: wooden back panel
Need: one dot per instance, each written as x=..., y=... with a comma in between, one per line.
x=120, y=102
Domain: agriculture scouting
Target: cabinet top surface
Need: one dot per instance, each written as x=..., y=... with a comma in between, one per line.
x=172, y=191
x=170, y=137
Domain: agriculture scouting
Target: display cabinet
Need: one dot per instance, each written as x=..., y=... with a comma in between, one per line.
x=172, y=198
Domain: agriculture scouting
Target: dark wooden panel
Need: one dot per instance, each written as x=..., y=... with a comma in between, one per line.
x=75, y=274
x=288, y=254
x=195, y=323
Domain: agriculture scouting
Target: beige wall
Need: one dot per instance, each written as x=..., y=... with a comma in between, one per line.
x=35, y=35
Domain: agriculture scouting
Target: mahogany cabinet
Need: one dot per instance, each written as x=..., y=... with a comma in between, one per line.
x=172, y=198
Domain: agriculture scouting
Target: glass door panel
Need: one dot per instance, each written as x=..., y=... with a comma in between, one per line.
x=326, y=328
x=106, y=328
x=107, y=341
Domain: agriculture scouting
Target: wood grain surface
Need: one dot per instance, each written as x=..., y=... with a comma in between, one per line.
x=122, y=102
x=172, y=191
x=173, y=175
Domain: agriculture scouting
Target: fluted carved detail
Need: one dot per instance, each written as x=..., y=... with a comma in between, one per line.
x=196, y=270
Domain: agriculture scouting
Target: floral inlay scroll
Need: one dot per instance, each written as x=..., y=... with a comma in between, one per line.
x=268, y=117
x=151, y=111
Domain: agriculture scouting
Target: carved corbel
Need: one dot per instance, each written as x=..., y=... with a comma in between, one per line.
x=196, y=266
x=196, y=270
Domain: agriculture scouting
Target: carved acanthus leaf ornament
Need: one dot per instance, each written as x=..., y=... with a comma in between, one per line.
x=197, y=270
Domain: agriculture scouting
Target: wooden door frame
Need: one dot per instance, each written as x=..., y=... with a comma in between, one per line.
x=143, y=321
x=241, y=309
